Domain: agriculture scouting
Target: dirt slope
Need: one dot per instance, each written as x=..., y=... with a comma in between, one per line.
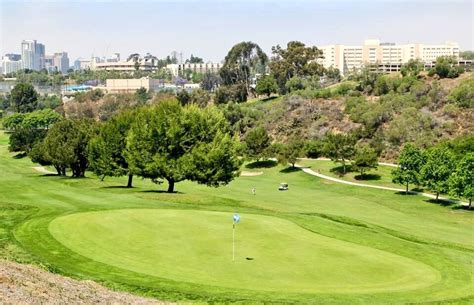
x=26, y=284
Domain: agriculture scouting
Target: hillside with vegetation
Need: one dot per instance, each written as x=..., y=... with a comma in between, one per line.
x=398, y=110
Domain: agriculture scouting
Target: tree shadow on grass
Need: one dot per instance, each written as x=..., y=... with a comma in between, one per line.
x=262, y=164
x=443, y=203
x=403, y=193
x=339, y=170
x=117, y=187
x=290, y=169
x=20, y=155
x=161, y=192
x=367, y=177
x=463, y=207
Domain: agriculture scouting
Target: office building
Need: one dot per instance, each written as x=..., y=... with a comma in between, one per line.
x=388, y=56
x=132, y=85
x=49, y=63
x=32, y=54
x=142, y=64
x=61, y=62
x=11, y=63
x=179, y=69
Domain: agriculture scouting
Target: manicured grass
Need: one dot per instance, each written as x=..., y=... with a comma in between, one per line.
x=273, y=254
x=380, y=176
x=319, y=242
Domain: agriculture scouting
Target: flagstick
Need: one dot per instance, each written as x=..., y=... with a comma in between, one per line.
x=233, y=241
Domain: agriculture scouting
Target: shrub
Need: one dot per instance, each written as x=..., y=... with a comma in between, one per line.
x=463, y=95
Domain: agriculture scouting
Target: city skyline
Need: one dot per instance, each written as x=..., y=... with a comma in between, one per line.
x=152, y=26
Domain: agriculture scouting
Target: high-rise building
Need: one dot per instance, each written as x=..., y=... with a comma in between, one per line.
x=49, y=63
x=61, y=62
x=389, y=55
x=40, y=52
x=32, y=54
x=11, y=63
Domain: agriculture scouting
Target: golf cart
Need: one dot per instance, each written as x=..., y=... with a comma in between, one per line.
x=283, y=186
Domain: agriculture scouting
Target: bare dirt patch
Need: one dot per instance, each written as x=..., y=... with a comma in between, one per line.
x=250, y=174
x=26, y=284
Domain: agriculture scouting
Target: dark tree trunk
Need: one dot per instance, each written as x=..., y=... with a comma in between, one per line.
x=130, y=180
x=170, y=185
x=437, y=196
x=470, y=201
x=406, y=190
x=58, y=169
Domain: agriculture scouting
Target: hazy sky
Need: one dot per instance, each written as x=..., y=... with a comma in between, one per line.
x=209, y=28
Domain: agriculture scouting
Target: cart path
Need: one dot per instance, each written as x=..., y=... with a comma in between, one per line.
x=313, y=173
x=43, y=170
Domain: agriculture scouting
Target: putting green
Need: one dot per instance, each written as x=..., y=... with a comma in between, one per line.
x=196, y=247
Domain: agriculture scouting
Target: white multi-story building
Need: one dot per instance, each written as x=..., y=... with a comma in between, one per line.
x=32, y=54
x=388, y=55
x=11, y=63
x=179, y=69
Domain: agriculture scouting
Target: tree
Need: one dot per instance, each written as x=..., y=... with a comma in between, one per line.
x=365, y=158
x=461, y=182
x=290, y=152
x=106, y=151
x=293, y=84
x=469, y=55
x=266, y=85
x=339, y=148
x=438, y=168
x=136, y=66
x=445, y=67
x=142, y=95
x=194, y=60
x=210, y=81
x=244, y=60
x=234, y=93
x=196, y=77
x=366, y=78
x=199, y=97
x=183, y=97
x=295, y=60
x=49, y=102
x=257, y=141
x=29, y=128
x=65, y=145
x=412, y=68
x=410, y=162
x=463, y=95
x=176, y=143
x=38, y=154
x=333, y=73
x=314, y=149
x=24, y=98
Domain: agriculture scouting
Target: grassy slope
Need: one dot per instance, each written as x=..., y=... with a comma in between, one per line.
x=380, y=176
x=408, y=226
